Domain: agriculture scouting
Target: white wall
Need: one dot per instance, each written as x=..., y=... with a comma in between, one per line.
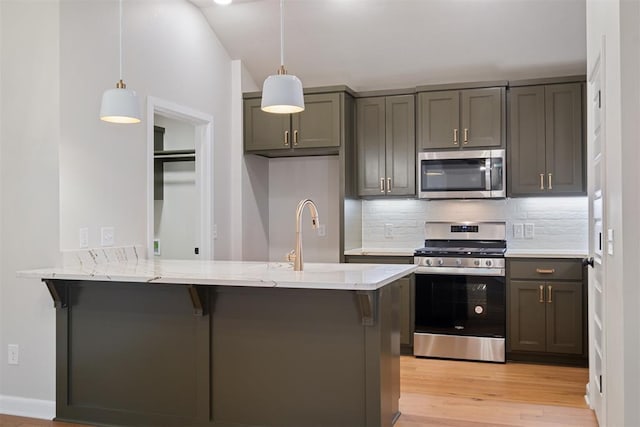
x=61, y=168
x=618, y=21
x=176, y=216
x=294, y=179
x=29, y=139
x=560, y=223
x=170, y=52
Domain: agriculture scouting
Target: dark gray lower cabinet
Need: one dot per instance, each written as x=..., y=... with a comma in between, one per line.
x=546, y=310
x=136, y=354
x=407, y=289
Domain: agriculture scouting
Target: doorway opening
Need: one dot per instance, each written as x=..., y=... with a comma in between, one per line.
x=179, y=181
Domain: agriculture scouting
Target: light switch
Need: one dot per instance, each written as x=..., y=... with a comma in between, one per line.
x=84, y=238
x=529, y=231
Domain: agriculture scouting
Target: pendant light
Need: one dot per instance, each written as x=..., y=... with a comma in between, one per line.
x=282, y=92
x=120, y=105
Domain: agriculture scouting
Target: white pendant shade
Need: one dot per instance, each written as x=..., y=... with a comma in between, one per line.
x=282, y=93
x=120, y=105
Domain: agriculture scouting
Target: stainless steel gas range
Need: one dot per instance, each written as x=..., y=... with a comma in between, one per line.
x=460, y=292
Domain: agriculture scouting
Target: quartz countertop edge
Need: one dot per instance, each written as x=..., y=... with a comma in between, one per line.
x=545, y=253
x=381, y=251
x=333, y=276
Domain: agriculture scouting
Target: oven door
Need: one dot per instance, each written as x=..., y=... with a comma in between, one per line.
x=463, y=174
x=460, y=317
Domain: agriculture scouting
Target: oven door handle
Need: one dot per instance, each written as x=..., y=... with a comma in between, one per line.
x=462, y=271
x=487, y=174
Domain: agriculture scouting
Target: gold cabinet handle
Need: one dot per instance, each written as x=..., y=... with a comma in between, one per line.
x=550, y=289
x=455, y=137
x=388, y=185
x=541, y=289
x=286, y=138
x=545, y=270
x=382, y=185
x=542, y=181
x=295, y=137
x=550, y=186
x=466, y=136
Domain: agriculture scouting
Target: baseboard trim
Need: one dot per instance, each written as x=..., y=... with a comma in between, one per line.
x=24, y=407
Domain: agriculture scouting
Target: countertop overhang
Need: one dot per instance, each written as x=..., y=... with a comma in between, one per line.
x=334, y=276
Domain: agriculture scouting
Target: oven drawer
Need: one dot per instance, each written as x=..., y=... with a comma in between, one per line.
x=544, y=269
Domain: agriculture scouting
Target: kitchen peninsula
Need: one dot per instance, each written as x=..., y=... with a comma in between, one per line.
x=222, y=343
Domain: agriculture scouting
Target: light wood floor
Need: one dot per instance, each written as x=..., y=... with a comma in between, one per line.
x=440, y=393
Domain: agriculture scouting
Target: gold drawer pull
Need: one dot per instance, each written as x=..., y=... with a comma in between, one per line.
x=545, y=270
x=382, y=185
x=541, y=288
x=550, y=288
x=542, y=181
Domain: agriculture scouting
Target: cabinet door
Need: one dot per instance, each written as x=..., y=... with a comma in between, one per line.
x=264, y=131
x=564, y=317
x=527, y=315
x=527, y=161
x=406, y=332
x=371, y=147
x=482, y=117
x=565, y=141
x=318, y=125
x=400, y=145
x=438, y=120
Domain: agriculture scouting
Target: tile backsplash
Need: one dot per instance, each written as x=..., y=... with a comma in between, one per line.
x=557, y=223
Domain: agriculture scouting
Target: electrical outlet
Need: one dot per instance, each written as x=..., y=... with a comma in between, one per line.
x=322, y=230
x=84, y=238
x=518, y=231
x=13, y=354
x=529, y=231
x=388, y=231
x=215, y=231
x=107, y=236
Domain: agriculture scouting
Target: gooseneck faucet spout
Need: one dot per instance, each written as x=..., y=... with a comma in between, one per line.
x=298, y=263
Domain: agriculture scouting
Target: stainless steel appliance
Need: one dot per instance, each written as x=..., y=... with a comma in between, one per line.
x=460, y=292
x=473, y=174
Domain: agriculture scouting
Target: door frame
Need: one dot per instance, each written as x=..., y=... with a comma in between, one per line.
x=203, y=130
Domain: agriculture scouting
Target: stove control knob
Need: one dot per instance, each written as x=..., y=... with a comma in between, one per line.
x=428, y=261
x=440, y=261
x=476, y=262
x=458, y=262
x=488, y=263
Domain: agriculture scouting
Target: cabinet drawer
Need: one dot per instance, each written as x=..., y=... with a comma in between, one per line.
x=378, y=259
x=545, y=269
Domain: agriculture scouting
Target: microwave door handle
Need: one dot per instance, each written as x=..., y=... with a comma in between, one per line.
x=487, y=173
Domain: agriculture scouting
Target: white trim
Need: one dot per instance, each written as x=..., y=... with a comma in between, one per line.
x=31, y=408
x=204, y=167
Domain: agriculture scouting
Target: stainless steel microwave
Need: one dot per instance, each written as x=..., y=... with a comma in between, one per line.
x=465, y=174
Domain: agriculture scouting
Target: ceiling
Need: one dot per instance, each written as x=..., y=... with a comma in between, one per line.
x=387, y=44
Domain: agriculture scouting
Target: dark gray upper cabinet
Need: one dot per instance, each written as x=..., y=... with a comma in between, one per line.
x=385, y=141
x=453, y=119
x=317, y=127
x=546, y=140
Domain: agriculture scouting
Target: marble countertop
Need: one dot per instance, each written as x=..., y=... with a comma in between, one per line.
x=232, y=273
x=381, y=251
x=545, y=253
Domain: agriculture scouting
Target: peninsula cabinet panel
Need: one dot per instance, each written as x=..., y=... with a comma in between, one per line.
x=385, y=139
x=317, y=127
x=454, y=119
x=546, y=141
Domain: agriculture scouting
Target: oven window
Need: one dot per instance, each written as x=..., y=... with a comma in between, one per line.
x=460, y=305
x=453, y=175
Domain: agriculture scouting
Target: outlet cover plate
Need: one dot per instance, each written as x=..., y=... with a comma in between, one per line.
x=107, y=236
x=13, y=353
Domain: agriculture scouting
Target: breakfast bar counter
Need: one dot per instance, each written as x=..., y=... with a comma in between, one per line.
x=222, y=343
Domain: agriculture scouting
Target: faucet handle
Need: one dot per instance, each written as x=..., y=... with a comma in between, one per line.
x=291, y=256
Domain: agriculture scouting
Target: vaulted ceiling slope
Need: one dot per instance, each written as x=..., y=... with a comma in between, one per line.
x=384, y=44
